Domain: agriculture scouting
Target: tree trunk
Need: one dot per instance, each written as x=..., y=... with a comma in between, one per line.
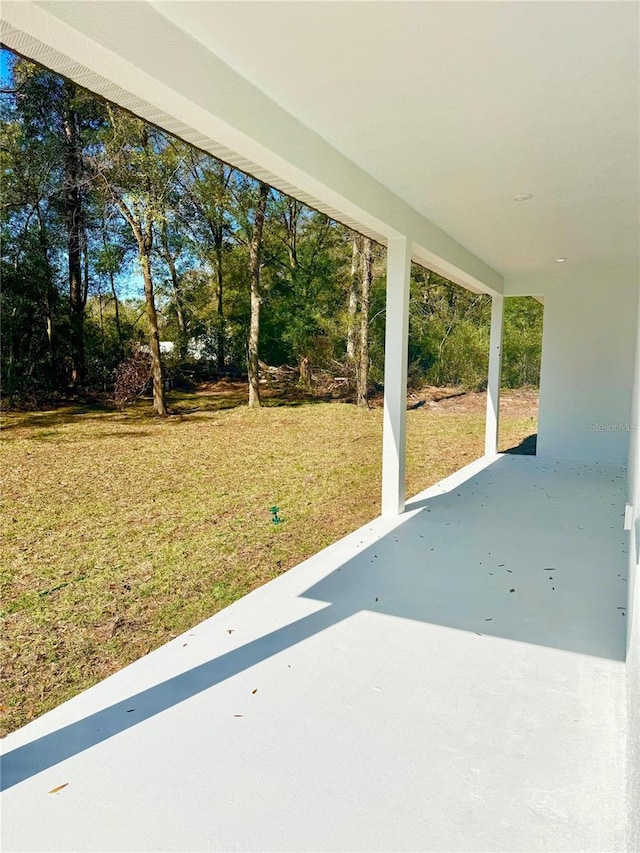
x=352, y=305
x=114, y=293
x=73, y=216
x=255, y=252
x=140, y=216
x=50, y=286
x=363, y=372
x=116, y=306
x=104, y=346
x=291, y=217
x=159, y=403
x=220, y=346
x=84, y=246
x=84, y=250
x=177, y=295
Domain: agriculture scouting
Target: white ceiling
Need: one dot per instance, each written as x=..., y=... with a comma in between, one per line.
x=457, y=106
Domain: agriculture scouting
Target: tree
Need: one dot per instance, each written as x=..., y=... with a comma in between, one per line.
x=205, y=207
x=448, y=332
x=76, y=234
x=109, y=261
x=64, y=121
x=169, y=251
x=352, y=302
x=136, y=181
x=522, y=342
x=33, y=315
x=365, y=291
x=255, y=257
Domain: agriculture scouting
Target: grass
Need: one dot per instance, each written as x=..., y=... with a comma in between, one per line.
x=121, y=531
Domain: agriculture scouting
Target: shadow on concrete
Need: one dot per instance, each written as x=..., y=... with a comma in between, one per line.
x=27, y=760
x=523, y=551
x=527, y=446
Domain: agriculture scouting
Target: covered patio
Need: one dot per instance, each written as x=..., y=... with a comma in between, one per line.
x=463, y=673
x=452, y=679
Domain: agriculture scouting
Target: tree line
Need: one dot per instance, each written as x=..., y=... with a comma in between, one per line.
x=235, y=274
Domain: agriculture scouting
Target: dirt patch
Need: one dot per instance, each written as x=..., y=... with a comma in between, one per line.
x=227, y=393
x=519, y=403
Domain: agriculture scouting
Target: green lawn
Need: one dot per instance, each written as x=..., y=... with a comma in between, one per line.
x=121, y=530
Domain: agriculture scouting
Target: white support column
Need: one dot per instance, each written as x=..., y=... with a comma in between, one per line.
x=634, y=437
x=395, y=376
x=495, y=373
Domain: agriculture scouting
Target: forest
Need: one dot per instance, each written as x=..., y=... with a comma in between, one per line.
x=132, y=262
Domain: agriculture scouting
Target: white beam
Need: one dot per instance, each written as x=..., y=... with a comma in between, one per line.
x=495, y=373
x=395, y=376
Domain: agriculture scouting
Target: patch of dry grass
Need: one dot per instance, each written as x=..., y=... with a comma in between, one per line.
x=121, y=530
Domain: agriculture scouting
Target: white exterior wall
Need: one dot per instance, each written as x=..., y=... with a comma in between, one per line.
x=633, y=613
x=591, y=375
x=586, y=378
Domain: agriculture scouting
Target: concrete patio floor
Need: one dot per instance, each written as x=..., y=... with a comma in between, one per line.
x=451, y=680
